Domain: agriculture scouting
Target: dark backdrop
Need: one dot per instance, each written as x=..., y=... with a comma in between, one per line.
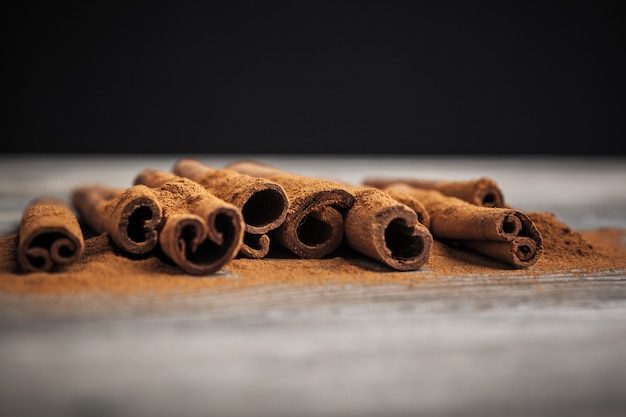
x=310, y=77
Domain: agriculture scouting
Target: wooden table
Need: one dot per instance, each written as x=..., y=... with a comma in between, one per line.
x=467, y=347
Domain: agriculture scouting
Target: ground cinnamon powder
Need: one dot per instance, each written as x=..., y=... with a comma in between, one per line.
x=103, y=269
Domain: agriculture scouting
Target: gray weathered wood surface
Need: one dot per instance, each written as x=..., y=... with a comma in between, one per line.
x=466, y=347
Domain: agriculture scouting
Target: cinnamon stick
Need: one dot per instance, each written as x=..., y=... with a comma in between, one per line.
x=482, y=191
x=131, y=216
x=263, y=203
x=389, y=231
x=314, y=224
x=505, y=234
x=49, y=236
x=200, y=232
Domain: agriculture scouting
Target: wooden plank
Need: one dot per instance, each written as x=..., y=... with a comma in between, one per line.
x=459, y=346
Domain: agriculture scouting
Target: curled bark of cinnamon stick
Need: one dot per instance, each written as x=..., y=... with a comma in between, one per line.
x=201, y=232
x=132, y=216
x=263, y=203
x=407, y=199
x=49, y=236
x=314, y=224
x=483, y=191
x=501, y=233
x=389, y=231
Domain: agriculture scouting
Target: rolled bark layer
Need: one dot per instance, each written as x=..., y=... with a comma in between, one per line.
x=49, y=236
x=501, y=233
x=314, y=224
x=412, y=202
x=386, y=230
x=132, y=217
x=483, y=191
x=201, y=232
x=263, y=203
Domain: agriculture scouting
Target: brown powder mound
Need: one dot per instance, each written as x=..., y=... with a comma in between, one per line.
x=565, y=251
x=570, y=251
x=563, y=241
x=103, y=269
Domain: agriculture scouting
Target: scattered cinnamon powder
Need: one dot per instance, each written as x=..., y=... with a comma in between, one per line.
x=586, y=252
x=104, y=269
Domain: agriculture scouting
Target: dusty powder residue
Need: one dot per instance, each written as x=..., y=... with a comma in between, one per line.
x=102, y=268
x=568, y=251
x=182, y=195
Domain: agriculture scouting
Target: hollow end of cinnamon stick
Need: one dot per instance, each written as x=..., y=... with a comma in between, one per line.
x=486, y=192
x=510, y=225
x=315, y=227
x=49, y=236
x=202, y=245
x=265, y=209
x=384, y=229
x=135, y=222
x=130, y=216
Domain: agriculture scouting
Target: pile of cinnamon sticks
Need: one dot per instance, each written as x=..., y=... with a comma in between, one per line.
x=201, y=218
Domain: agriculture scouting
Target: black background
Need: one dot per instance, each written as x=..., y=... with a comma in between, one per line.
x=311, y=77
